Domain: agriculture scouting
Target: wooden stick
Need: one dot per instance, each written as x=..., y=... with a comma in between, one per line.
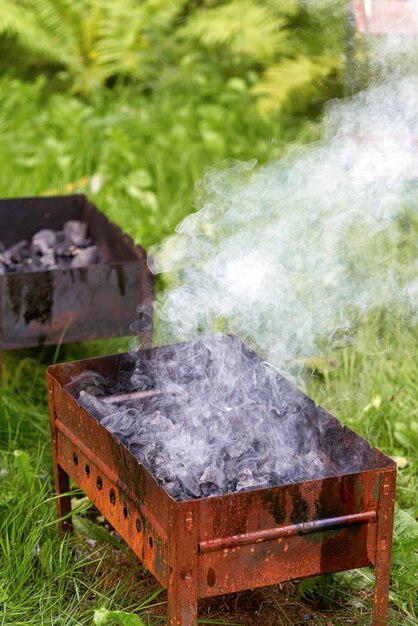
x=139, y=395
x=133, y=395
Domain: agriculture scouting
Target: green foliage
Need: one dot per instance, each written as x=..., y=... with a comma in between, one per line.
x=94, y=40
x=294, y=50
x=246, y=27
x=102, y=617
x=148, y=150
x=285, y=78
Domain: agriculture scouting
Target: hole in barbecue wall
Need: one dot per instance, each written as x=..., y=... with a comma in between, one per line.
x=99, y=483
x=75, y=458
x=125, y=512
x=151, y=542
x=138, y=525
x=87, y=470
x=112, y=496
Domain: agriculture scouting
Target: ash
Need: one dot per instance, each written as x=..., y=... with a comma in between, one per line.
x=210, y=418
x=48, y=249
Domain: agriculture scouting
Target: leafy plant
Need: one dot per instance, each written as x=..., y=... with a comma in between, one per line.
x=102, y=617
x=94, y=40
x=292, y=49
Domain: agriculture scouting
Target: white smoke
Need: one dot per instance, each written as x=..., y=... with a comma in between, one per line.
x=288, y=252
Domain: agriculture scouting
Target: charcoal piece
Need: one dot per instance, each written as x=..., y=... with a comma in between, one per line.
x=75, y=231
x=124, y=422
x=212, y=474
x=210, y=489
x=19, y=252
x=174, y=490
x=188, y=485
x=88, y=256
x=312, y=463
x=43, y=241
x=145, y=440
x=86, y=243
x=246, y=480
x=65, y=249
x=47, y=261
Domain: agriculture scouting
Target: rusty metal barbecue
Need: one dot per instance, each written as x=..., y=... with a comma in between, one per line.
x=62, y=305
x=209, y=546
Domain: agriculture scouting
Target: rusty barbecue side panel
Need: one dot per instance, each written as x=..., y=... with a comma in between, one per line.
x=252, y=511
x=262, y=537
x=121, y=488
x=286, y=558
x=71, y=305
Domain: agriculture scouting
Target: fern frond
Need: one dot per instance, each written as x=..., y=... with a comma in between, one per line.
x=244, y=26
x=59, y=19
x=287, y=8
x=20, y=22
x=93, y=39
x=281, y=80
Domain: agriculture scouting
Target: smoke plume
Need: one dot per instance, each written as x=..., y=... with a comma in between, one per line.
x=287, y=253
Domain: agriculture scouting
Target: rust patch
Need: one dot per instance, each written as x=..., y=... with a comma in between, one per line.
x=275, y=502
x=300, y=510
x=15, y=287
x=39, y=299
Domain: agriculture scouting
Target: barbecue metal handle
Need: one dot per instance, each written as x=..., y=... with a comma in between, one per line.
x=258, y=536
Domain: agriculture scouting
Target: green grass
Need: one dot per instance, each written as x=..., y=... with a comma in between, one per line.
x=150, y=148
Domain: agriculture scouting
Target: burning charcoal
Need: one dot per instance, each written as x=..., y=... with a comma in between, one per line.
x=88, y=256
x=43, y=241
x=75, y=231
